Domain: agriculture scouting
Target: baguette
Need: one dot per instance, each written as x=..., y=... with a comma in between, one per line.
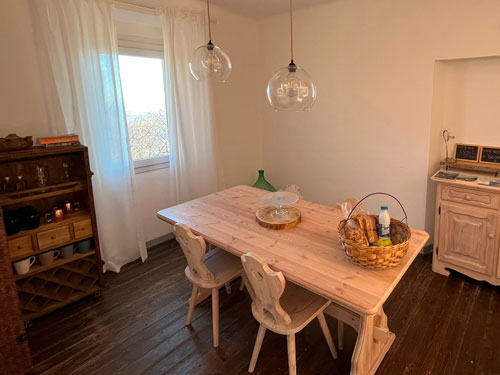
x=369, y=226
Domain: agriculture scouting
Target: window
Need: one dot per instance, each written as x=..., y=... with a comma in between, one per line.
x=142, y=78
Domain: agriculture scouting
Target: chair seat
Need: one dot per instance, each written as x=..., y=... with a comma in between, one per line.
x=223, y=265
x=302, y=306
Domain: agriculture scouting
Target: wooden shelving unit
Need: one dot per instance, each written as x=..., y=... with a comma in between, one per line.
x=46, y=288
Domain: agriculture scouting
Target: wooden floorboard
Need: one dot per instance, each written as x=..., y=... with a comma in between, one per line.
x=443, y=325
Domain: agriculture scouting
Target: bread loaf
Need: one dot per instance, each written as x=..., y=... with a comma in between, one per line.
x=354, y=233
x=369, y=226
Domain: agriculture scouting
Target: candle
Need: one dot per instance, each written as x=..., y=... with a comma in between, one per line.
x=58, y=215
x=68, y=208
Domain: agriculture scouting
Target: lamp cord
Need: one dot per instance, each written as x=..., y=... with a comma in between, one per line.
x=209, y=27
x=291, y=31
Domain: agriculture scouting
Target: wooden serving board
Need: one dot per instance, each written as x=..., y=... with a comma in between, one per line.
x=264, y=218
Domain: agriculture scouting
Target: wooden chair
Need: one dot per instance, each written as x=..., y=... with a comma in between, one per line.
x=285, y=311
x=207, y=272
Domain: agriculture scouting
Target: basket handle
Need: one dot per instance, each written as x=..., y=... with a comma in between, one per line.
x=380, y=193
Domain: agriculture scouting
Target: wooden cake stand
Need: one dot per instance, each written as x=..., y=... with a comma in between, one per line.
x=267, y=220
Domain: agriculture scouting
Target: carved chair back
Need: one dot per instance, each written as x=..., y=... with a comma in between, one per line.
x=194, y=249
x=268, y=286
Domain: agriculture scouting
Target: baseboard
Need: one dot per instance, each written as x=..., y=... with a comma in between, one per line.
x=160, y=240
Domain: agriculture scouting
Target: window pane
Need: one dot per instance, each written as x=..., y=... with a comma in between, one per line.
x=144, y=97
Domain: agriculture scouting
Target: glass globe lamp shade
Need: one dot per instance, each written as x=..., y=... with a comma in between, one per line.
x=291, y=89
x=210, y=62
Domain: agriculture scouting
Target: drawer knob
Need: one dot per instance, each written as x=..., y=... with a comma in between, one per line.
x=468, y=197
x=491, y=236
x=52, y=237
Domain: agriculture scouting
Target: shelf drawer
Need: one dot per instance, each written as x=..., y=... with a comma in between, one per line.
x=51, y=238
x=473, y=197
x=20, y=246
x=82, y=228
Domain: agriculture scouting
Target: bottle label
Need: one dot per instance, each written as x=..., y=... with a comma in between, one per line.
x=384, y=230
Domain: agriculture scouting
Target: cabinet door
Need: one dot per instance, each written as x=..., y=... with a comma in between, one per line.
x=467, y=238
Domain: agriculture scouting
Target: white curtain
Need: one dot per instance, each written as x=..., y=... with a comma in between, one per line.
x=193, y=161
x=79, y=41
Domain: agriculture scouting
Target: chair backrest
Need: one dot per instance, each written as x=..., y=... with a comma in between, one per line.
x=268, y=286
x=194, y=249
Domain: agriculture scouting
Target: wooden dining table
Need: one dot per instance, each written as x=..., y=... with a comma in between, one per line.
x=308, y=255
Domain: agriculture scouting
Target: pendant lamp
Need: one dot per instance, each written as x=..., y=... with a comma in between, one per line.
x=209, y=61
x=291, y=88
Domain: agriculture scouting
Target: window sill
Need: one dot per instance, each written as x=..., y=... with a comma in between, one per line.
x=151, y=164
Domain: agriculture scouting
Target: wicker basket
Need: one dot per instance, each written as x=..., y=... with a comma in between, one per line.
x=378, y=257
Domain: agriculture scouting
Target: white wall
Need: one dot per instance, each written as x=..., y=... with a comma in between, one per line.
x=373, y=63
x=22, y=109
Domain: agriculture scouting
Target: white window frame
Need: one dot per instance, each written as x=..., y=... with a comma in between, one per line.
x=144, y=47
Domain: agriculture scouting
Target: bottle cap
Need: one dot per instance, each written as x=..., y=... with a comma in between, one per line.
x=384, y=207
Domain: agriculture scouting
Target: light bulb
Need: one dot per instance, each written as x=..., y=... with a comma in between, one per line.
x=291, y=88
x=210, y=62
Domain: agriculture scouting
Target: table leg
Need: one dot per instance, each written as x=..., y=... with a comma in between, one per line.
x=374, y=341
x=374, y=338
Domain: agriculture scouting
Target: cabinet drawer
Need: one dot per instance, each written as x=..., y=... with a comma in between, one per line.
x=472, y=197
x=51, y=238
x=82, y=228
x=20, y=246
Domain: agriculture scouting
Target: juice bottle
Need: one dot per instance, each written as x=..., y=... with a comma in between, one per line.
x=384, y=227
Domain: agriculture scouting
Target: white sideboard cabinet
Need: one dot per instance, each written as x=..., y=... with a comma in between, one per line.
x=467, y=232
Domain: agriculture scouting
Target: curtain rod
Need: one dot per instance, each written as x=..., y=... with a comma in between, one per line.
x=146, y=10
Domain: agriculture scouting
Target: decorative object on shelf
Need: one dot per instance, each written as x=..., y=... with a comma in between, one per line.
x=29, y=217
x=56, y=215
x=20, y=184
x=490, y=155
x=291, y=88
x=13, y=142
x=474, y=157
x=11, y=222
x=67, y=251
x=447, y=136
x=469, y=153
x=48, y=257
x=377, y=257
x=84, y=246
x=6, y=187
x=262, y=183
x=210, y=61
x=68, y=207
x=60, y=140
x=66, y=171
x=42, y=174
x=23, y=266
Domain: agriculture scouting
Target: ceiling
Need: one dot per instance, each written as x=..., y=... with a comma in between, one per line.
x=263, y=8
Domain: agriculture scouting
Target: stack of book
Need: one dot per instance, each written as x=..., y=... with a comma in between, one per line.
x=61, y=140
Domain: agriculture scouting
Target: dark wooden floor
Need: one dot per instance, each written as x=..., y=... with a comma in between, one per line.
x=442, y=325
